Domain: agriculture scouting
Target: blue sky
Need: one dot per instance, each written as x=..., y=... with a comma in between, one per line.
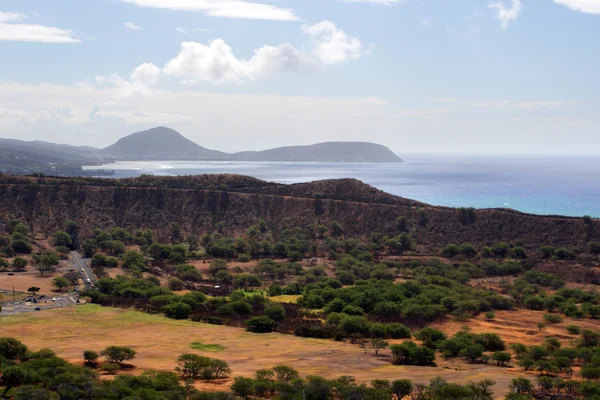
x=416, y=75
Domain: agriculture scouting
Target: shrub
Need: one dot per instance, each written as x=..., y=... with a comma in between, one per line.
x=177, y=310
x=276, y=312
x=501, y=358
x=409, y=353
x=450, y=251
x=564, y=254
x=90, y=357
x=573, y=329
x=398, y=331
x=430, y=337
x=261, y=324
x=553, y=318
x=19, y=264
x=244, y=258
x=110, y=369
x=353, y=325
x=175, y=284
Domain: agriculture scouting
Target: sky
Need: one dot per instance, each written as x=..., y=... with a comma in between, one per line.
x=456, y=76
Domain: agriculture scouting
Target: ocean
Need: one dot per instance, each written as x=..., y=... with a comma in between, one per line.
x=557, y=184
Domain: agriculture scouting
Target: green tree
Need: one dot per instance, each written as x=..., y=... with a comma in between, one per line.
x=48, y=262
x=501, y=357
x=275, y=311
x=19, y=263
x=60, y=282
x=12, y=377
x=285, y=373
x=33, y=290
x=134, y=259
x=521, y=386
x=61, y=239
x=242, y=387
x=190, y=366
x=12, y=349
x=217, y=265
x=377, y=345
x=118, y=354
x=90, y=357
x=401, y=388
x=472, y=353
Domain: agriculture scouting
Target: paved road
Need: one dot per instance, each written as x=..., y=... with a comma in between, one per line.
x=83, y=267
x=23, y=307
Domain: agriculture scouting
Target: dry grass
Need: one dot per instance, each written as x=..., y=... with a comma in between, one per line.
x=520, y=327
x=159, y=341
x=22, y=281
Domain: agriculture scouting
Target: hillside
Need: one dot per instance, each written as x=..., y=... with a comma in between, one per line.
x=24, y=158
x=163, y=143
x=194, y=204
x=52, y=151
x=159, y=143
x=323, y=152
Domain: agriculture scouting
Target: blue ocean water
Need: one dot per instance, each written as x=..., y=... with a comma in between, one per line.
x=564, y=185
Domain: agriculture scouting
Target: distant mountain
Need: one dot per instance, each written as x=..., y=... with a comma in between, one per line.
x=159, y=143
x=324, y=152
x=54, y=152
x=163, y=143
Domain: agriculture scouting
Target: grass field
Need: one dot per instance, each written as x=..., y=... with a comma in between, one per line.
x=206, y=347
x=158, y=341
x=285, y=298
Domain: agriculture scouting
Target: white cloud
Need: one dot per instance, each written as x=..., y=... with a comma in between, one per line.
x=586, y=6
x=140, y=81
x=11, y=31
x=132, y=26
x=384, y=2
x=507, y=14
x=222, y=8
x=332, y=45
x=182, y=30
x=11, y=16
x=216, y=63
x=522, y=105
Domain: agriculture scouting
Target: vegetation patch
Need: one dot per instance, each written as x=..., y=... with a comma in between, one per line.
x=207, y=347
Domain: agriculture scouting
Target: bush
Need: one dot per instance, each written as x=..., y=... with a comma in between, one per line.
x=501, y=357
x=261, y=324
x=110, y=369
x=354, y=325
x=244, y=258
x=450, y=251
x=276, y=312
x=175, y=284
x=398, y=331
x=573, y=329
x=564, y=254
x=430, y=337
x=90, y=357
x=177, y=310
x=409, y=353
x=19, y=264
x=553, y=318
